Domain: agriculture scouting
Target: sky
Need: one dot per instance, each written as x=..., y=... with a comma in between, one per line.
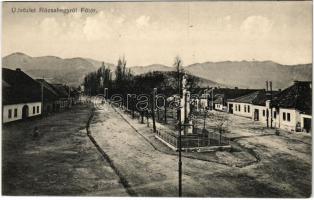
x=156, y=32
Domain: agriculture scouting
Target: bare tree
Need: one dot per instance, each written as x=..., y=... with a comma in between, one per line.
x=220, y=121
x=178, y=65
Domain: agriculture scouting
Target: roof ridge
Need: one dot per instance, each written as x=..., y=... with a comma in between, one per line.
x=247, y=95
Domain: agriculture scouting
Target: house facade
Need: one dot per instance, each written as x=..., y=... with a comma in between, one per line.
x=50, y=96
x=295, y=107
x=219, y=96
x=289, y=119
x=242, y=106
x=265, y=113
x=20, y=111
x=290, y=109
x=21, y=96
x=64, y=99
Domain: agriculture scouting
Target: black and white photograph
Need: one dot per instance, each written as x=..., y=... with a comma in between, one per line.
x=157, y=99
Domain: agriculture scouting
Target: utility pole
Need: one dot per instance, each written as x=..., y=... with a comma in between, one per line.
x=42, y=96
x=69, y=97
x=213, y=98
x=153, y=109
x=179, y=142
x=106, y=93
x=271, y=101
x=267, y=113
x=185, y=109
x=204, y=118
x=42, y=92
x=165, y=112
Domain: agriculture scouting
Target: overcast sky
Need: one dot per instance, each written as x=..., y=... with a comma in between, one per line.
x=148, y=33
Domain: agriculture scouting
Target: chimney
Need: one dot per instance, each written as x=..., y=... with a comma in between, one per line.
x=18, y=69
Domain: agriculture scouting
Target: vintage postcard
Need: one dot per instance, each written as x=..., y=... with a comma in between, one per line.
x=157, y=99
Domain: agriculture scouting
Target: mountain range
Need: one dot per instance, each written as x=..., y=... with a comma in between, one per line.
x=244, y=74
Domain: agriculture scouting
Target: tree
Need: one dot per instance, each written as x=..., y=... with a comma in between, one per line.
x=221, y=121
x=179, y=71
x=95, y=82
x=119, y=71
x=153, y=109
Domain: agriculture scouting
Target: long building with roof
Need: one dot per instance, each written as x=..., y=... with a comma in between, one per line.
x=290, y=109
x=21, y=96
x=295, y=107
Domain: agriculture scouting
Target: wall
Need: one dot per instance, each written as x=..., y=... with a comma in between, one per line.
x=242, y=112
x=294, y=119
x=203, y=103
x=19, y=107
x=63, y=103
x=220, y=107
x=263, y=118
x=302, y=116
x=278, y=122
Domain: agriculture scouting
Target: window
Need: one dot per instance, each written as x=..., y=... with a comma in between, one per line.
x=236, y=107
x=275, y=114
x=239, y=107
x=33, y=109
x=15, y=112
x=284, y=116
x=288, y=117
x=37, y=109
x=248, y=108
x=244, y=108
x=263, y=113
x=10, y=114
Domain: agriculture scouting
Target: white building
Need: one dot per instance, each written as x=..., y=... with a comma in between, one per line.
x=295, y=107
x=242, y=106
x=21, y=96
x=264, y=113
x=290, y=109
x=20, y=111
x=219, y=103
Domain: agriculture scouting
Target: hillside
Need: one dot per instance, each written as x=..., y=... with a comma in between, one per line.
x=251, y=74
x=55, y=69
x=244, y=74
x=150, y=68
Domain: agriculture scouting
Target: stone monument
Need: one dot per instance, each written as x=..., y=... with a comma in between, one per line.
x=187, y=125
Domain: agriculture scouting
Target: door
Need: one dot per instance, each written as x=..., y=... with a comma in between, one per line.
x=256, y=115
x=307, y=124
x=25, y=112
x=231, y=108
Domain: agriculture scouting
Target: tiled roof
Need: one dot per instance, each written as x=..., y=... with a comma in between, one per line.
x=219, y=99
x=5, y=84
x=61, y=90
x=257, y=98
x=230, y=93
x=297, y=96
x=249, y=98
x=50, y=94
x=22, y=88
x=263, y=96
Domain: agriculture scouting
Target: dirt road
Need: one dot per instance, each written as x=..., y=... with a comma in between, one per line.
x=62, y=161
x=153, y=173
